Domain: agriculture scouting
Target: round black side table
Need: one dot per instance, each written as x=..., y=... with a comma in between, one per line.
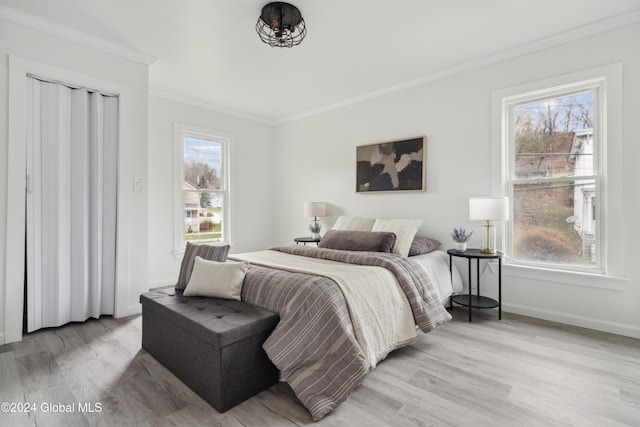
x=305, y=240
x=477, y=301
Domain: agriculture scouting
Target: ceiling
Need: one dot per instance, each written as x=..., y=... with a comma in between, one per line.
x=208, y=50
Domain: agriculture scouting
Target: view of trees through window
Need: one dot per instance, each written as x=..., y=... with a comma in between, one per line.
x=553, y=181
x=203, y=191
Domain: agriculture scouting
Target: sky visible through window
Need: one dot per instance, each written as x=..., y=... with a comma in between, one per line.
x=562, y=114
x=206, y=152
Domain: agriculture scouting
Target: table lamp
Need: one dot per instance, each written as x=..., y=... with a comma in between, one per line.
x=315, y=210
x=488, y=209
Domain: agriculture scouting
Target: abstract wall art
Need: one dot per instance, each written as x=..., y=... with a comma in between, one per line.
x=391, y=166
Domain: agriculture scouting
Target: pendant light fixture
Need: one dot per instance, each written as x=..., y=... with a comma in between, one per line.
x=281, y=25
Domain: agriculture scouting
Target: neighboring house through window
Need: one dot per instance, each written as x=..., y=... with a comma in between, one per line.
x=584, y=215
x=201, y=189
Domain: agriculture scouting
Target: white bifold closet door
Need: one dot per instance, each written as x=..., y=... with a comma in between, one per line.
x=72, y=139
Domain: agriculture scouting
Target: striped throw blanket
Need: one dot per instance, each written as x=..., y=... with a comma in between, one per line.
x=315, y=345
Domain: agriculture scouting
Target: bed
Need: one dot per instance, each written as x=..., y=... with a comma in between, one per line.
x=341, y=312
x=436, y=263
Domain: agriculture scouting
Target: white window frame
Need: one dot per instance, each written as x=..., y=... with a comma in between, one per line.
x=607, y=82
x=180, y=132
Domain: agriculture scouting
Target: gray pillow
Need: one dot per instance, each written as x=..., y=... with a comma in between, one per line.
x=423, y=245
x=208, y=252
x=353, y=240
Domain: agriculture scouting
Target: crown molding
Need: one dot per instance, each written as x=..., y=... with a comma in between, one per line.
x=206, y=106
x=534, y=46
x=62, y=31
x=40, y=24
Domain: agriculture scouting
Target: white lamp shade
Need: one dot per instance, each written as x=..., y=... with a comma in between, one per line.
x=314, y=209
x=489, y=208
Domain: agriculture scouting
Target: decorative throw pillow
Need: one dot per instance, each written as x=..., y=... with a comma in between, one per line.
x=423, y=245
x=216, y=279
x=404, y=229
x=208, y=252
x=353, y=223
x=350, y=240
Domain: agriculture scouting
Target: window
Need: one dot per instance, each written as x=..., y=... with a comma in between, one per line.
x=201, y=192
x=557, y=151
x=553, y=177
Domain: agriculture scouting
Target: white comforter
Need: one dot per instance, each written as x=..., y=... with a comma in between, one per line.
x=436, y=264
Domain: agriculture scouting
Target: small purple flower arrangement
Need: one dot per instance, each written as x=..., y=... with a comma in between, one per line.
x=460, y=235
x=315, y=227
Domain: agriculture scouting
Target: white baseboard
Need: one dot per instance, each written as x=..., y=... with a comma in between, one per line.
x=137, y=307
x=134, y=309
x=130, y=311
x=569, y=319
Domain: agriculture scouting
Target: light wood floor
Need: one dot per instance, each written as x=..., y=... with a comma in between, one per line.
x=514, y=372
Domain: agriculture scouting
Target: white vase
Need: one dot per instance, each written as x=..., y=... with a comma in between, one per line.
x=460, y=246
x=315, y=235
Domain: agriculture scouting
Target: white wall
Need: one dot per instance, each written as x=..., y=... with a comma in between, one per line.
x=57, y=53
x=276, y=170
x=316, y=161
x=251, y=186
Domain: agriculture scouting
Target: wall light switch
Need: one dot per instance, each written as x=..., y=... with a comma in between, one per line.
x=138, y=185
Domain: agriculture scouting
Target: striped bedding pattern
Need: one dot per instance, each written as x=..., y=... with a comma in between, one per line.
x=314, y=345
x=428, y=311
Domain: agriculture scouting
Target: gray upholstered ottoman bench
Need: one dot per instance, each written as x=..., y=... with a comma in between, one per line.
x=212, y=345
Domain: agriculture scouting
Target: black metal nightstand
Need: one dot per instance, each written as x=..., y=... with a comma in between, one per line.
x=477, y=301
x=305, y=240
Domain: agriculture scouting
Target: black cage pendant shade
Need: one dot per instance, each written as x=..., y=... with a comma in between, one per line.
x=281, y=25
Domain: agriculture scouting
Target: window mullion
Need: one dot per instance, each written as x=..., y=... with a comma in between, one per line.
x=521, y=181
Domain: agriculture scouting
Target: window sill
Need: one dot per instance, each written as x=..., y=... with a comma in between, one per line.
x=601, y=281
x=178, y=253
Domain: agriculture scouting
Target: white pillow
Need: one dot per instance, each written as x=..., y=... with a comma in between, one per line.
x=404, y=229
x=354, y=223
x=216, y=279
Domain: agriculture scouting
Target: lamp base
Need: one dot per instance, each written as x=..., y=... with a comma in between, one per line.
x=488, y=251
x=488, y=240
